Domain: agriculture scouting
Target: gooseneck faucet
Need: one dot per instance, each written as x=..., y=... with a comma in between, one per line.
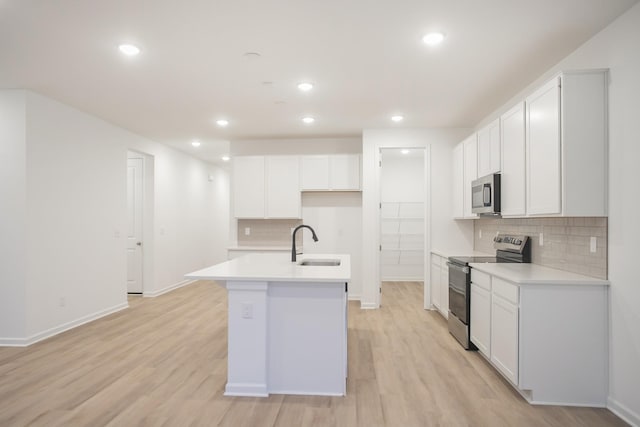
x=293, y=240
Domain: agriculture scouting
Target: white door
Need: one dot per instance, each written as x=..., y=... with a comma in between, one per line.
x=134, y=225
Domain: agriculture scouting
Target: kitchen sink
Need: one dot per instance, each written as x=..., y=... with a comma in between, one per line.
x=320, y=262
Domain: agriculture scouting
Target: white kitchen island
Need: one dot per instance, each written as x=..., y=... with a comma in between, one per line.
x=287, y=324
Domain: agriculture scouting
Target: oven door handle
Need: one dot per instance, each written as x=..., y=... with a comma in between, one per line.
x=464, y=270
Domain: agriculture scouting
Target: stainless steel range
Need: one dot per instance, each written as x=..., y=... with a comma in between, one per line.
x=509, y=248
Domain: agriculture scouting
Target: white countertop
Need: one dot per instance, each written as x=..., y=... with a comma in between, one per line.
x=277, y=267
x=533, y=274
x=261, y=248
x=451, y=252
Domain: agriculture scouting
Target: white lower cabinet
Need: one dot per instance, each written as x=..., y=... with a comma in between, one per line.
x=436, y=298
x=504, y=337
x=481, y=319
x=549, y=340
x=440, y=284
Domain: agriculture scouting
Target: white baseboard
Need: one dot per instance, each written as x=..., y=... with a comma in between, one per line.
x=246, y=389
x=403, y=279
x=623, y=412
x=24, y=342
x=368, y=305
x=153, y=294
x=354, y=297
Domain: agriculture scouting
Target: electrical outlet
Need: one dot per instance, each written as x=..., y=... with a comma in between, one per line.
x=541, y=240
x=247, y=310
x=593, y=244
x=247, y=231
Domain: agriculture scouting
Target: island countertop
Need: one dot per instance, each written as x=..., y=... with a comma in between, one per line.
x=277, y=267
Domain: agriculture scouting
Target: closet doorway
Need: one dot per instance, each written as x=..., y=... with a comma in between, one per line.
x=402, y=217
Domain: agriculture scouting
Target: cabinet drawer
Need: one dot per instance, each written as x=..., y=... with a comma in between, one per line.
x=481, y=279
x=505, y=289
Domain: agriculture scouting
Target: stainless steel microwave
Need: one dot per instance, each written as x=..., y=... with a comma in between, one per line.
x=485, y=195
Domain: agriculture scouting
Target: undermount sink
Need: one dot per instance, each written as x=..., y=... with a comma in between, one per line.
x=320, y=262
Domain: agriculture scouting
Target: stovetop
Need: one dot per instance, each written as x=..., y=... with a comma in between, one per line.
x=510, y=248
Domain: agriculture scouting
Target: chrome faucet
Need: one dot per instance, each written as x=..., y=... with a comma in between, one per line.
x=293, y=240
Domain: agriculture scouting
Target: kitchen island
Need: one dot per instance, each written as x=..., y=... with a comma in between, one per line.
x=287, y=323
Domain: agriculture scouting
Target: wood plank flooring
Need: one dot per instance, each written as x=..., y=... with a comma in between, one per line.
x=163, y=362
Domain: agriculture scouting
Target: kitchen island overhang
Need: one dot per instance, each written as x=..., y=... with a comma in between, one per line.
x=287, y=324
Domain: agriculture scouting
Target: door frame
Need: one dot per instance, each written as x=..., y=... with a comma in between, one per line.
x=371, y=214
x=147, y=219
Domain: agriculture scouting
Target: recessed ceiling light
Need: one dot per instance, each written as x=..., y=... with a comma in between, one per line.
x=397, y=118
x=404, y=151
x=129, y=49
x=222, y=122
x=226, y=158
x=305, y=86
x=195, y=143
x=308, y=120
x=433, y=39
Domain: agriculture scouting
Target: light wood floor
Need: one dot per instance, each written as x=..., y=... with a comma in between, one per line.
x=163, y=362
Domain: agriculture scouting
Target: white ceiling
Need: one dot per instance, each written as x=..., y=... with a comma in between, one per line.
x=365, y=57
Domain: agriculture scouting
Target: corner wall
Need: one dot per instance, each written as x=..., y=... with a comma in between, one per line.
x=12, y=216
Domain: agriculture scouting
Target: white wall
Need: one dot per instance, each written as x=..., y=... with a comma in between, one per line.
x=444, y=233
x=76, y=216
x=617, y=47
x=12, y=215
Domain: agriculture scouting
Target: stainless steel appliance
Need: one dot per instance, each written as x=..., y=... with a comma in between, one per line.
x=485, y=195
x=509, y=248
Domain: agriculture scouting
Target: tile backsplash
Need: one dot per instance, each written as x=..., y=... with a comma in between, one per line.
x=566, y=241
x=268, y=232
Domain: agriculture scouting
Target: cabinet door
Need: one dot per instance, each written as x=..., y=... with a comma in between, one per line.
x=314, y=173
x=283, y=189
x=481, y=319
x=543, y=150
x=489, y=149
x=248, y=187
x=470, y=172
x=513, y=182
x=444, y=288
x=344, y=172
x=435, y=282
x=504, y=337
x=457, y=179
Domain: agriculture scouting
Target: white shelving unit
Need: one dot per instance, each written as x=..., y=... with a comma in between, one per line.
x=402, y=241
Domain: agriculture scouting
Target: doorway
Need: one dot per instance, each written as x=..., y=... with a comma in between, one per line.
x=139, y=221
x=402, y=217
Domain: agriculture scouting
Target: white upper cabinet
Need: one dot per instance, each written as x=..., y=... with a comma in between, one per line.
x=585, y=148
x=470, y=164
x=283, y=187
x=458, y=181
x=513, y=179
x=335, y=172
x=248, y=187
x=489, y=149
x=266, y=187
x=543, y=150
x=567, y=148
x=344, y=171
x=314, y=172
